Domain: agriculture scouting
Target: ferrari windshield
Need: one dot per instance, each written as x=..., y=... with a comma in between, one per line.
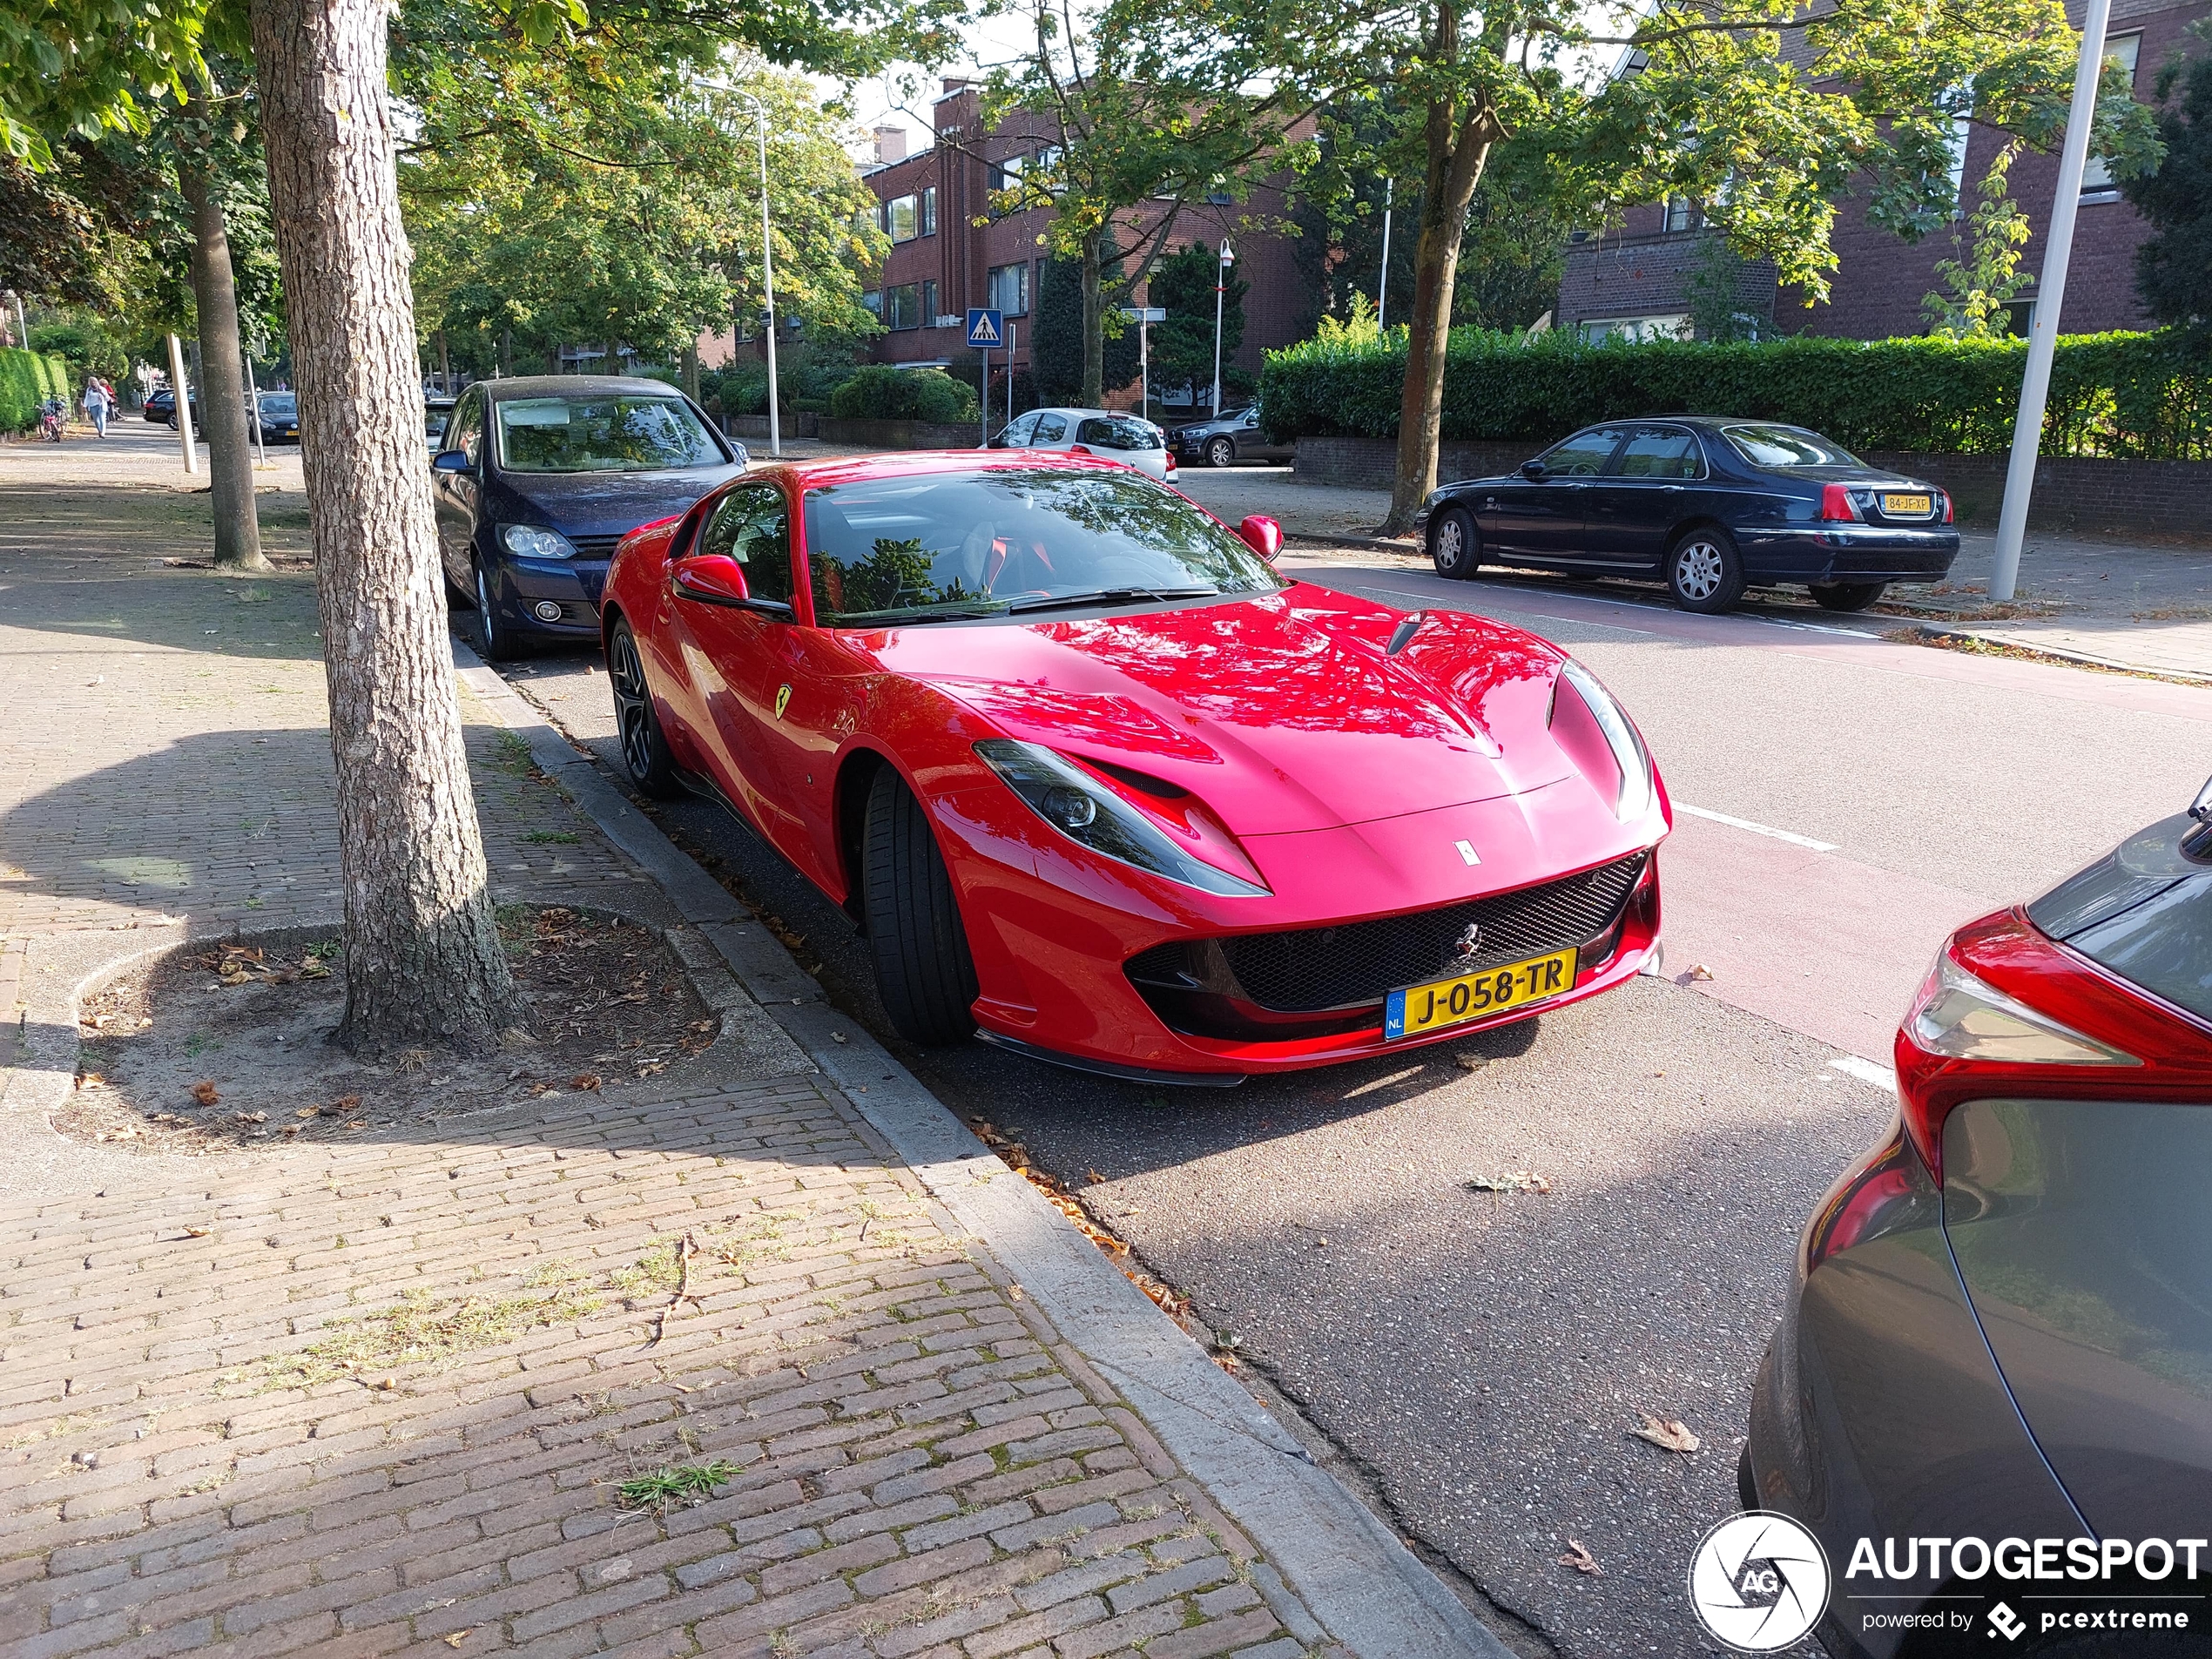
x=958, y=546
x=604, y=432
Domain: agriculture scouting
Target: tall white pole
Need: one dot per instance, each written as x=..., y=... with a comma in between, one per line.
x=253, y=409
x=1143, y=365
x=768, y=284
x=1012, y=328
x=182, y=406
x=1382, y=285
x=2050, y=294
x=1221, y=282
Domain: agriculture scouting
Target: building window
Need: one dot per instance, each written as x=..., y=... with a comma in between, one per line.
x=928, y=311
x=1007, y=174
x=873, y=300
x=1681, y=214
x=904, y=218
x=910, y=304
x=1010, y=289
x=2096, y=175
x=1636, y=330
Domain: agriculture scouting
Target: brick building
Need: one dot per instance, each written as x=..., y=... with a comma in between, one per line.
x=1636, y=282
x=941, y=261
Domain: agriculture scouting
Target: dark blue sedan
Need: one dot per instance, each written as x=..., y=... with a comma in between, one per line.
x=1709, y=506
x=541, y=476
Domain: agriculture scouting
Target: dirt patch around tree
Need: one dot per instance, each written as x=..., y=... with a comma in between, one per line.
x=219, y=1046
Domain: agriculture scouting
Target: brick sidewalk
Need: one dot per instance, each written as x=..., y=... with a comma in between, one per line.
x=382, y=1396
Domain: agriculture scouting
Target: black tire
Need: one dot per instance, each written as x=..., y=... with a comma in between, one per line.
x=923, y=971
x=645, y=755
x=1847, y=596
x=1220, y=451
x=1705, y=571
x=1454, y=544
x=1747, y=1489
x=495, y=642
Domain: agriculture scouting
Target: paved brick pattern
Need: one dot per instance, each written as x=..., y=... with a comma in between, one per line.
x=382, y=1396
x=921, y=1466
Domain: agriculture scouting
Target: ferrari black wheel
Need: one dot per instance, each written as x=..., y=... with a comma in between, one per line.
x=922, y=968
x=644, y=748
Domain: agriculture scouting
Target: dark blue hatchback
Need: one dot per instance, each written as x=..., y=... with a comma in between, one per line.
x=541, y=476
x=1709, y=506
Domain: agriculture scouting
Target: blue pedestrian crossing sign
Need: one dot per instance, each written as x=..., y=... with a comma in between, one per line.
x=985, y=328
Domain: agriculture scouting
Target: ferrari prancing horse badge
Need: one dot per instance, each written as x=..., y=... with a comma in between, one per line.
x=783, y=700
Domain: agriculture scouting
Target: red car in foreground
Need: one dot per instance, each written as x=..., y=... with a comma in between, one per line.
x=1104, y=787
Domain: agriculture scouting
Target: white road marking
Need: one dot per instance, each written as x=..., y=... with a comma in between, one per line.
x=1865, y=1070
x=1790, y=836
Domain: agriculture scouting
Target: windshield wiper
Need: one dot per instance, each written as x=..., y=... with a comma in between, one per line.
x=1100, y=596
x=899, y=618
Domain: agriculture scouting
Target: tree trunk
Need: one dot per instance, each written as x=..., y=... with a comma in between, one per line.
x=223, y=408
x=691, y=370
x=423, y=963
x=1093, y=326
x=1457, y=150
x=445, y=366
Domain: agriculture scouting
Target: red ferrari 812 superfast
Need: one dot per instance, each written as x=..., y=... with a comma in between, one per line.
x=1101, y=785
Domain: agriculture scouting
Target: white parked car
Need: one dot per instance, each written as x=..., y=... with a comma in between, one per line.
x=1125, y=438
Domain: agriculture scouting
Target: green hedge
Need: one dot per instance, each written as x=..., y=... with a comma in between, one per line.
x=2134, y=394
x=28, y=379
x=878, y=392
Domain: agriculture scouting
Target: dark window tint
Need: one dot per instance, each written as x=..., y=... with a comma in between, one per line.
x=1118, y=432
x=2163, y=944
x=973, y=544
x=753, y=527
x=1050, y=428
x=1582, y=455
x=1658, y=452
x=1787, y=446
x=605, y=432
x=468, y=434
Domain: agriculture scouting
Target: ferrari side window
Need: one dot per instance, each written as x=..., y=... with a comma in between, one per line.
x=753, y=526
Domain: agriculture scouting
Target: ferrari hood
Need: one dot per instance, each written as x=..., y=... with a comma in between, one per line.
x=1285, y=712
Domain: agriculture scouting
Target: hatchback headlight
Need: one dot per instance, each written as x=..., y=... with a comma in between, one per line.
x=1635, y=798
x=1086, y=810
x=534, y=542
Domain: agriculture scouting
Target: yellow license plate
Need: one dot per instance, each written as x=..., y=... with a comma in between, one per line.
x=1471, y=997
x=1904, y=505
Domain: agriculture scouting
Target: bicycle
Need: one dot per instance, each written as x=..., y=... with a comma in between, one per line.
x=49, y=419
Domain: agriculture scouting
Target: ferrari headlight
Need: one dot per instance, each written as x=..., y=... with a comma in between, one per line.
x=1635, y=793
x=1087, y=812
x=534, y=541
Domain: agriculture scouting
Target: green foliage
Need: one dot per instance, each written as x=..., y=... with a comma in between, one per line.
x=2145, y=395
x=1057, y=335
x=686, y=1483
x=1183, y=286
x=1715, y=307
x=2174, y=268
x=878, y=392
x=28, y=379
x=1978, y=286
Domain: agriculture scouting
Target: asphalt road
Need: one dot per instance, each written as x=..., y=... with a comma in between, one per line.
x=1478, y=1359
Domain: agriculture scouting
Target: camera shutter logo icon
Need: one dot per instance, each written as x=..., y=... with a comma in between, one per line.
x=1758, y=1581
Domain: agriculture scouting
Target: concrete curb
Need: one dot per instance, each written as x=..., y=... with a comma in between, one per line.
x=1952, y=630
x=1366, y=1588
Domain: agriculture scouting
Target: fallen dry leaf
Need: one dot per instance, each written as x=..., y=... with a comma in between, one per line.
x=1669, y=1433
x=1512, y=1181
x=1581, y=1560
x=342, y=1105
x=1093, y=1176
x=585, y=1079
x=205, y=1093
x=458, y=1638
x=250, y=1117
x=1699, y=971
x=1471, y=1061
x=198, y=1232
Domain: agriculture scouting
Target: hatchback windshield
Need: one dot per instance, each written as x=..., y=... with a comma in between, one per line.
x=1118, y=432
x=967, y=545
x=278, y=403
x=609, y=432
x=1787, y=446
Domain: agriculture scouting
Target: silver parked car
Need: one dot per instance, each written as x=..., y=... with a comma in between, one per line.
x=1232, y=435
x=1110, y=433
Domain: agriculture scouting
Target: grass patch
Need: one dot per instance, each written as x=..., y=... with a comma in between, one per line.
x=657, y=1271
x=513, y=753
x=686, y=1483
x=544, y=838
x=421, y=1329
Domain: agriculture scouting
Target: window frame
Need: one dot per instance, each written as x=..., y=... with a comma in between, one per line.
x=1621, y=451
x=759, y=492
x=1621, y=430
x=2127, y=49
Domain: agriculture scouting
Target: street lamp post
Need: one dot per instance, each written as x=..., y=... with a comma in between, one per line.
x=767, y=264
x=1382, y=286
x=2050, y=292
x=1221, y=283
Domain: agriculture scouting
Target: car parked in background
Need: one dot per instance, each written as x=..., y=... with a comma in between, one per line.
x=2001, y=1322
x=161, y=407
x=437, y=415
x=1232, y=435
x=541, y=476
x=1710, y=506
x=1110, y=435
x=1095, y=778
x=280, y=417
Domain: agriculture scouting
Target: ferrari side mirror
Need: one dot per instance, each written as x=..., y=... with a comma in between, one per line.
x=1263, y=534
x=717, y=579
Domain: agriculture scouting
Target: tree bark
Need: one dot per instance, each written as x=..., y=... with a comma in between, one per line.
x=1093, y=326
x=222, y=376
x=692, y=371
x=1459, y=148
x=423, y=963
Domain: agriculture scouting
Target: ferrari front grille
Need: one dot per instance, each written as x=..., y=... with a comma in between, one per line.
x=1354, y=965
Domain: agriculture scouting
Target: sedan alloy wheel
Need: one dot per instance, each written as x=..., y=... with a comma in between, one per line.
x=1220, y=452
x=1704, y=572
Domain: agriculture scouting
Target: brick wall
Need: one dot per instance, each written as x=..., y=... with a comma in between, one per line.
x=1645, y=271
x=2161, y=497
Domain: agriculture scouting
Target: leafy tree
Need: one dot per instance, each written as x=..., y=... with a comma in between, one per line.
x=1722, y=105
x=1059, y=337
x=1979, y=285
x=2174, y=268
x=1183, y=347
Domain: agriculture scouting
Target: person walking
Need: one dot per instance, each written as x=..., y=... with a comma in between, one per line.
x=98, y=403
